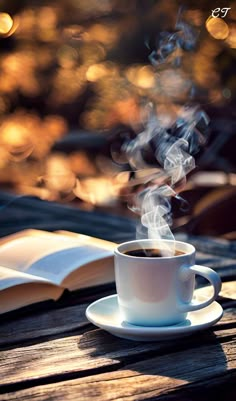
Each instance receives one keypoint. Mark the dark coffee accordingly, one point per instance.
(150, 253)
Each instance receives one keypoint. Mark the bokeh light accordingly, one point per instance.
(217, 28)
(77, 65)
(141, 76)
(6, 23)
(231, 39)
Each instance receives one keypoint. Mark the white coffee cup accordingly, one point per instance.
(158, 291)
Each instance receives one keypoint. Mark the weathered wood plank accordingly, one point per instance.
(228, 290)
(26, 330)
(92, 351)
(219, 388)
(21, 212)
(228, 319)
(148, 379)
(225, 266)
(43, 324)
(210, 245)
(56, 321)
(50, 318)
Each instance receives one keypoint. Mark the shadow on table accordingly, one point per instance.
(183, 360)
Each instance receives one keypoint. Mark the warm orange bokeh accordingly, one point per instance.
(81, 65)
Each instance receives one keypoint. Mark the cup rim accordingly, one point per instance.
(124, 246)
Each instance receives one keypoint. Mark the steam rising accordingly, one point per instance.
(172, 44)
(172, 143)
(172, 147)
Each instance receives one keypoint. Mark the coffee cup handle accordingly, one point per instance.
(208, 274)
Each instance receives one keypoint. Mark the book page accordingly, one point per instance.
(51, 257)
(86, 239)
(10, 278)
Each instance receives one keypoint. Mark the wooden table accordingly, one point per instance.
(58, 355)
(53, 353)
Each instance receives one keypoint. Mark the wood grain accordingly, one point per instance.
(29, 212)
(64, 320)
(94, 350)
(228, 290)
(147, 379)
(43, 324)
(52, 355)
(54, 361)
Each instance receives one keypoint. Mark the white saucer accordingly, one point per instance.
(105, 314)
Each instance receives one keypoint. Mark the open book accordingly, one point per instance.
(37, 266)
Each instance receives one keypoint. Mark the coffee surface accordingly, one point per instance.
(150, 253)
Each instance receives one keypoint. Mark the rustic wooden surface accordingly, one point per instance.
(51, 352)
(59, 355)
(19, 213)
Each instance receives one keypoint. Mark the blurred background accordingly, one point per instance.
(75, 74)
